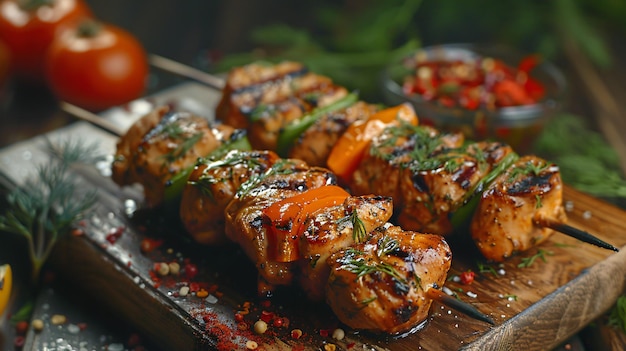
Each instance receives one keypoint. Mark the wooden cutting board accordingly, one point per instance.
(534, 308)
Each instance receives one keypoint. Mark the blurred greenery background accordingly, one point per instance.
(351, 40)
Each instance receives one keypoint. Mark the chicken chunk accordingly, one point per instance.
(160, 145)
(335, 228)
(252, 77)
(314, 145)
(212, 185)
(381, 285)
(507, 219)
(244, 215)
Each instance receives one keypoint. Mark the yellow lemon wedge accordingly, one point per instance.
(6, 279)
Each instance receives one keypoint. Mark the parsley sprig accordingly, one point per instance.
(44, 208)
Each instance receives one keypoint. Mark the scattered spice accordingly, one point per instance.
(296, 334)
(21, 327)
(58, 319)
(260, 327)
(174, 268)
(114, 235)
(339, 334)
(162, 268)
(467, 277)
(37, 325)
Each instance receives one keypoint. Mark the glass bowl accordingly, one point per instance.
(516, 125)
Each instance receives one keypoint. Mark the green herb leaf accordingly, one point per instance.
(44, 208)
(617, 316)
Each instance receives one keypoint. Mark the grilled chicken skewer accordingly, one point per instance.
(294, 237)
(323, 231)
(432, 178)
(428, 184)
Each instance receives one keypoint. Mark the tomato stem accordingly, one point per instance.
(88, 28)
(31, 5)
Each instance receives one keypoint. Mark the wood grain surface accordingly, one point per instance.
(534, 308)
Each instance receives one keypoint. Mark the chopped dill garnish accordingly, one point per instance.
(485, 268)
(206, 180)
(368, 301)
(386, 245)
(538, 204)
(529, 168)
(359, 266)
(528, 261)
(183, 148)
(282, 166)
(359, 234)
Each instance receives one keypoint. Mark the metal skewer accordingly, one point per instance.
(183, 70)
(90, 117)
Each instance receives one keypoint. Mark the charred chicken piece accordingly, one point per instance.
(380, 169)
(510, 212)
(426, 173)
(267, 120)
(334, 228)
(314, 145)
(381, 285)
(252, 77)
(212, 185)
(245, 220)
(273, 97)
(433, 189)
(162, 144)
(263, 109)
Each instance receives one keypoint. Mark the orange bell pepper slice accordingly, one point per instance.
(347, 153)
(286, 218)
(6, 279)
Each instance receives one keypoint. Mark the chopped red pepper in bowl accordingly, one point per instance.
(485, 92)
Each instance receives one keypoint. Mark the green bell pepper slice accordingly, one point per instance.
(176, 184)
(289, 133)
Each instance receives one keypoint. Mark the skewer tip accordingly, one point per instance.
(463, 307)
(577, 234)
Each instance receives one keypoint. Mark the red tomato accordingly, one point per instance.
(97, 66)
(5, 60)
(28, 27)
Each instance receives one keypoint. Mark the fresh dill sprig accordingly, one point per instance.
(359, 233)
(44, 207)
(528, 261)
(183, 148)
(485, 268)
(283, 166)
